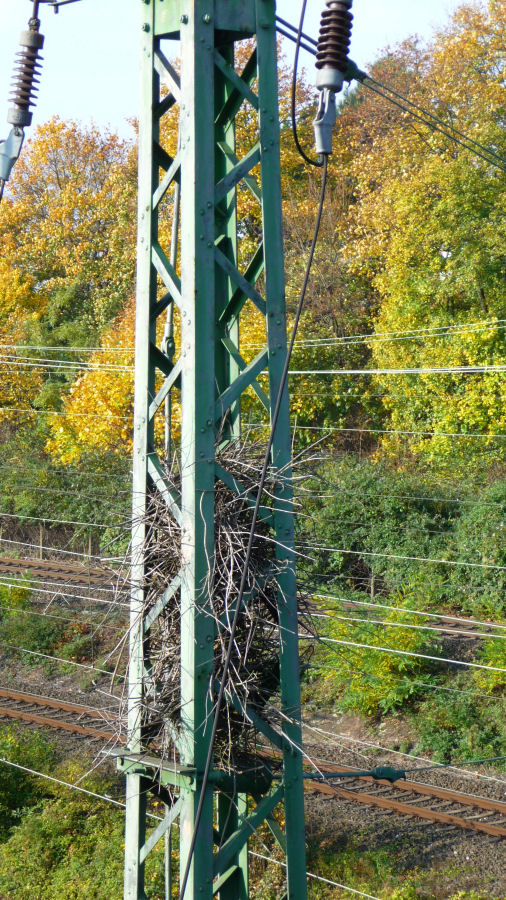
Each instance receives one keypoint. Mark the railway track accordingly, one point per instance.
(447, 625)
(77, 575)
(55, 571)
(423, 801)
(430, 803)
(51, 713)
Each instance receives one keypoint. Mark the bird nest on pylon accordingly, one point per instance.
(253, 675)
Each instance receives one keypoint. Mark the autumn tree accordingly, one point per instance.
(67, 226)
(427, 229)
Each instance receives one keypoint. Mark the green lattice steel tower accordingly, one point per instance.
(211, 376)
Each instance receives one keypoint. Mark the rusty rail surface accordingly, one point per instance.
(46, 711)
(54, 570)
(455, 798)
(82, 720)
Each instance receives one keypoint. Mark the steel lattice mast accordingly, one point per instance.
(210, 375)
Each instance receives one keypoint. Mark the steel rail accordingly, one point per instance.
(407, 809)
(486, 805)
(49, 703)
(80, 575)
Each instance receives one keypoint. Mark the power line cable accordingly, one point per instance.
(415, 370)
(67, 784)
(300, 149)
(415, 612)
(103, 559)
(75, 621)
(426, 685)
(445, 562)
(55, 584)
(433, 333)
(6, 515)
(68, 348)
(407, 625)
(395, 652)
(61, 593)
(411, 756)
(320, 878)
(416, 497)
(333, 429)
(61, 659)
(442, 129)
(56, 412)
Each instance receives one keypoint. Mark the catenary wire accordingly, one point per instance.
(395, 652)
(55, 412)
(428, 332)
(333, 429)
(343, 887)
(61, 659)
(416, 370)
(406, 625)
(444, 129)
(48, 549)
(464, 773)
(426, 685)
(386, 337)
(415, 612)
(445, 562)
(76, 621)
(54, 584)
(6, 515)
(61, 593)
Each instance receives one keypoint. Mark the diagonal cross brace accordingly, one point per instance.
(160, 830)
(236, 356)
(167, 273)
(239, 82)
(168, 74)
(244, 285)
(235, 175)
(253, 271)
(157, 475)
(244, 380)
(248, 827)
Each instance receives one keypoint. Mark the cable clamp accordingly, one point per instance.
(9, 152)
(324, 122)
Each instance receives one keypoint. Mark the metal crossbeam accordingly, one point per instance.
(209, 288)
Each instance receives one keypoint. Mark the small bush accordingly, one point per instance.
(456, 728)
(19, 789)
(35, 633)
(373, 681)
(14, 597)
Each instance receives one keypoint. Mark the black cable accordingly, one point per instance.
(244, 575)
(291, 27)
(302, 153)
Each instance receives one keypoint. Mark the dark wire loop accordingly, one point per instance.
(254, 519)
(311, 162)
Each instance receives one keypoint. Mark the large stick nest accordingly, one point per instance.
(253, 675)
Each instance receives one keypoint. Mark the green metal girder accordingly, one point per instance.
(209, 288)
